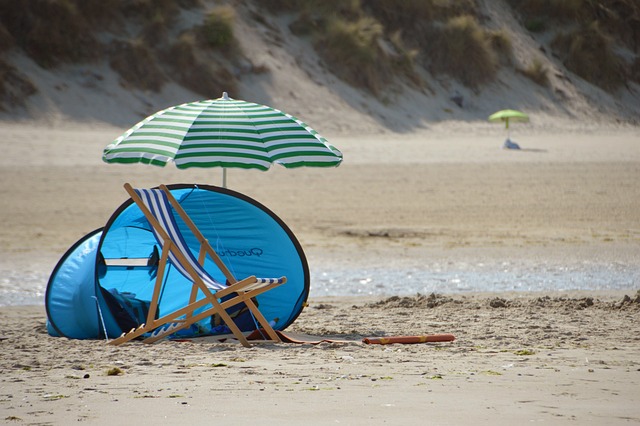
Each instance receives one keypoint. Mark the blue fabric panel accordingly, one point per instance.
(69, 301)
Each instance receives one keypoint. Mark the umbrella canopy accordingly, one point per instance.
(223, 132)
(507, 115)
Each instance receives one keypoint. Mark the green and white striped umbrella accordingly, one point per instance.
(223, 132)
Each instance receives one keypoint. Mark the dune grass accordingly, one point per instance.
(537, 72)
(635, 70)
(190, 59)
(15, 87)
(6, 39)
(589, 48)
(351, 50)
(54, 32)
(501, 45)
(136, 65)
(367, 43)
(560, 10)
(344, 8)
(352, 43)
(415, 13)
(51, 32)
(402, 14)
(187, 66)
(217, 29)
(462, 49)
(588, 52)
(620, 18)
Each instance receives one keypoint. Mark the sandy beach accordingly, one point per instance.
(446, 195)
(531, 257)
(561, 359)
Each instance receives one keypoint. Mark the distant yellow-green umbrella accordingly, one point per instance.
(507, 115)
(225, 133)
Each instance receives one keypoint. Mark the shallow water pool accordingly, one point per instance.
(28, 287)
(474, 277)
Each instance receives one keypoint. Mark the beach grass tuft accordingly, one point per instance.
(462, 49)
(115, 371)
(351, 50)
(537, 72)
(217, 29)
(50, 32)
(188, 66)
(588, 52)
(15, 87)
(501, 45)
(135, 62)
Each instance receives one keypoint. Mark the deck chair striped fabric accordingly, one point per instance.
(158, 206)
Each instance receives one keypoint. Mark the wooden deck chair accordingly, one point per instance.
(157, 206)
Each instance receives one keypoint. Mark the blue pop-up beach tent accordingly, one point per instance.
(85, 292)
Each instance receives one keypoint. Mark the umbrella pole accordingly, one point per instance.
(224, 177)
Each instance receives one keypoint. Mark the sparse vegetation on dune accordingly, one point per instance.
(352, 51)
(6, 39)
(635, 70)
(536, 72)
(462, 49)
(355, 45)
(418, 14)
(620, 18)
(501, 45)
(217, 30)
(187, 67)
(54, 32)
(588, 52)
(50, 32)
(596, 30)
(562, 10)
(15, 87)
(134, 61)
(369, 44)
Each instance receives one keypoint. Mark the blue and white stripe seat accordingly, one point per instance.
(160, 207)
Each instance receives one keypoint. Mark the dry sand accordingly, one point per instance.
(517, 359)
(449, 193)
